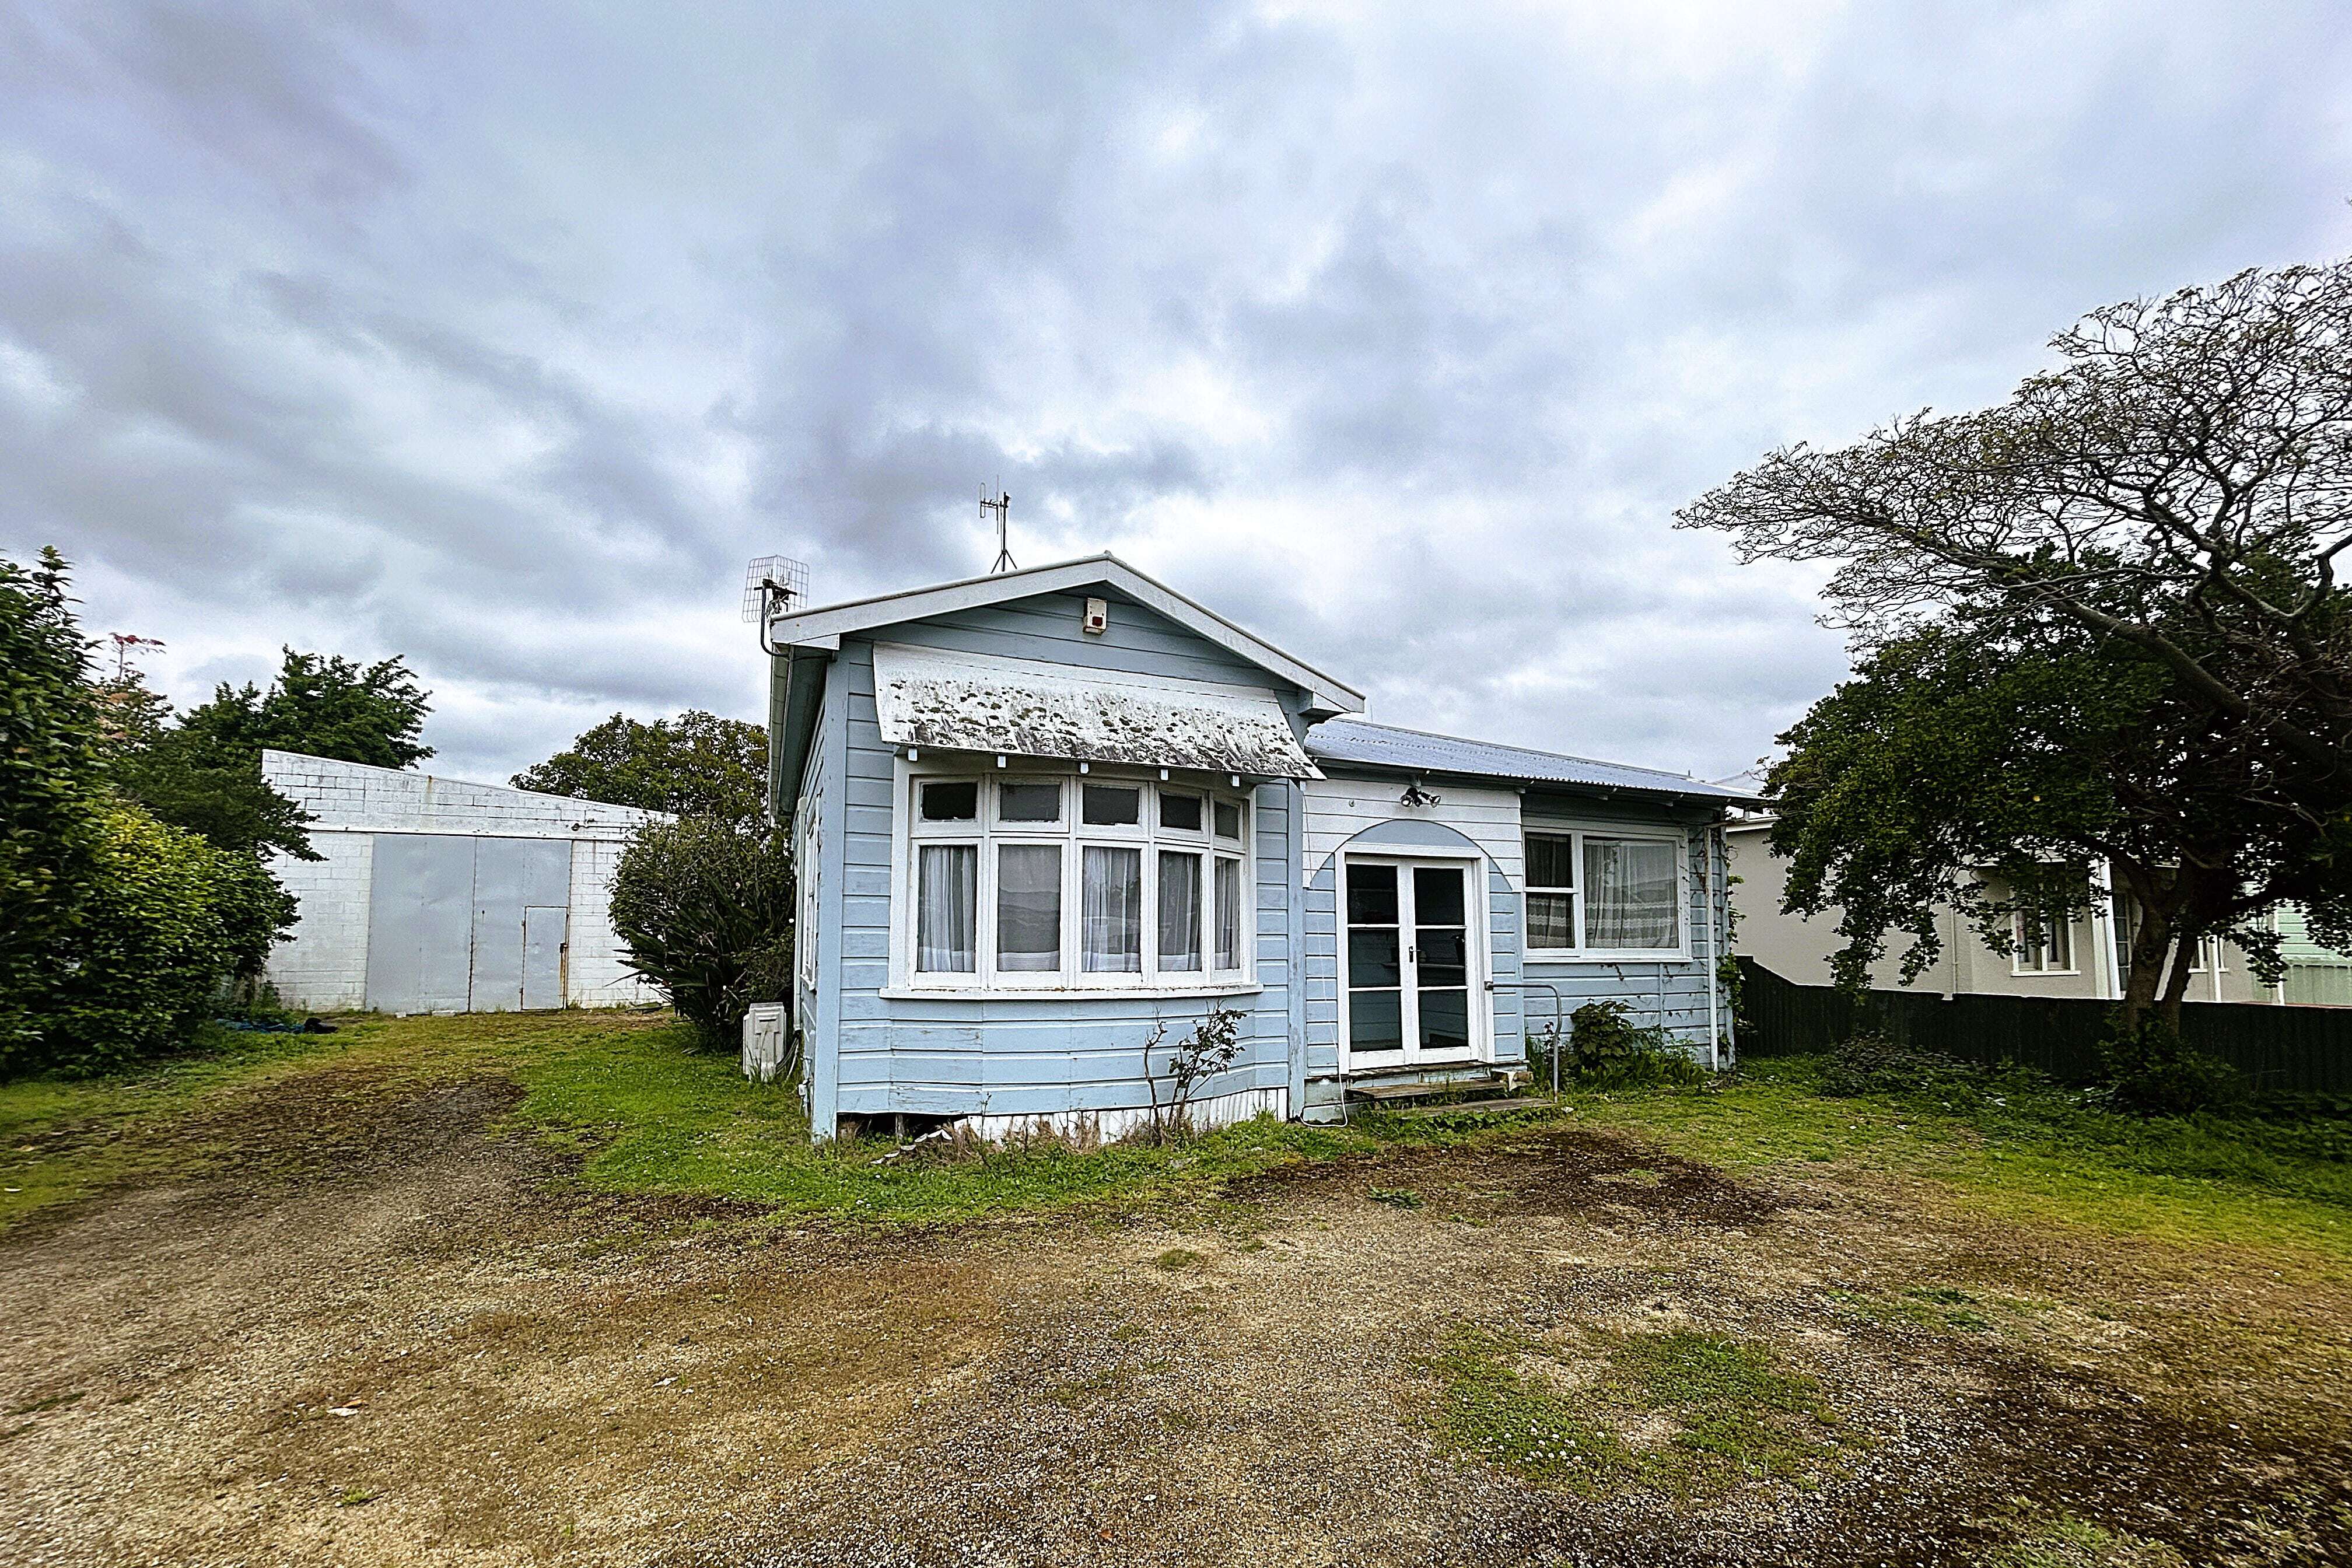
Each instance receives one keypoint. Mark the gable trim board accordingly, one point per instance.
(826, 625)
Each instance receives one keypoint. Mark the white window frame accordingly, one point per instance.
(2019, 941)
(808, 858)
(989, 833)
(1582, 952)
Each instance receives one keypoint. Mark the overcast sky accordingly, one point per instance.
(501, 336)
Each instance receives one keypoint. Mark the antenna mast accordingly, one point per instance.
(1002, 507)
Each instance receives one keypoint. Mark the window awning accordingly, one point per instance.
(977, 702)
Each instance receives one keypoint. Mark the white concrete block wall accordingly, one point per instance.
(325, 965)
(596, 976)
(324, 968)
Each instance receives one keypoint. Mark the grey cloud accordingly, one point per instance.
(502, 338)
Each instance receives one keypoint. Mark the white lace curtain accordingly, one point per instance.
(1180, 912)
(947, 908)
(1629, 894)
(1110, 911)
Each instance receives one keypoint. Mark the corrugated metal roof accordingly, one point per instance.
(980, 702)
(1368, 744)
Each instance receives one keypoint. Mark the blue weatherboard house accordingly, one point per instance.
(1040, 815)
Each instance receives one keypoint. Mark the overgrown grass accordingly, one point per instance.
(1679, 1410)
(652, 1115)
(2021, 1149)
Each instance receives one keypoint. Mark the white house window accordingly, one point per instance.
(1029, 909)
(1025, 882)
(1114, 911)
(1551, 891)
(1114, 805)
(2046, 943)
(947, 924)
(1605, 894)
(1229, 910)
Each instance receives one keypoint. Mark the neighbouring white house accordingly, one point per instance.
(436, 895)
(2085, 955)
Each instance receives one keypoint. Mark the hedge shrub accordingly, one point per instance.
(167, 924)
(704, 908)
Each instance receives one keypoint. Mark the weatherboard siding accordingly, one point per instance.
(1669, 991)
(1032, 1054)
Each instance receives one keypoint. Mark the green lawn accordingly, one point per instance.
(647, 1113)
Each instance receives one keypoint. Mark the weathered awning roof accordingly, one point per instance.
(974, 703)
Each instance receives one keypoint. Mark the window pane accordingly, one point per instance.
(1110, 911)
(1551, 860)
(946, 907)
(1629, 895)
(1113, 805)
(1029, 908)
(1374, 1022)
(1229, 820)
(2061, 942)
(1229, 914)
(1551, 920)
(1436, 896)
(1444, 1020)
(952, 800)
(1442, 957)
(1371, 895)
(1373, 958)
(1180, 812)
(1029, 802)
(1180, 910)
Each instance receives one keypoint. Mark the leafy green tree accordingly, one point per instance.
(204, 774)
(321, 705)
(697, 764)
(50, 738)
(705, 909)
(118, 933)
(2138, 552)
(1998, 767)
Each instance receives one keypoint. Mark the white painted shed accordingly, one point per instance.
(438, 895)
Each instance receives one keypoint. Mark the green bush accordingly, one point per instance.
(1874, 1064)
(49, 796)
(705, 909)
(166, 922)
(2154, 1072)
(1606, 1049)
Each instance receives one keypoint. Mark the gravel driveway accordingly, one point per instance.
(392, 1333)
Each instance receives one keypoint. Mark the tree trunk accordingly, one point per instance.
(2151, 945)
(2176, 984)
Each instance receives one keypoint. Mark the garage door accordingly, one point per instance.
(461, 924)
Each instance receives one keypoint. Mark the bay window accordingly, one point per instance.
(1605, 895)
(1029, 880)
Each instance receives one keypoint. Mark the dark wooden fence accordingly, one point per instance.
(2280, 1050)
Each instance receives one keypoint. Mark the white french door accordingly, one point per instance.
(1412, 957)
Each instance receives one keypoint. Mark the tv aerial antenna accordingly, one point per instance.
(773, 586)
(1002, 507)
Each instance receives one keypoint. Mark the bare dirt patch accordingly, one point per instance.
(380, 1330)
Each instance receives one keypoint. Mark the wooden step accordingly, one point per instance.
(1390, 1093)
(1476, 1107)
